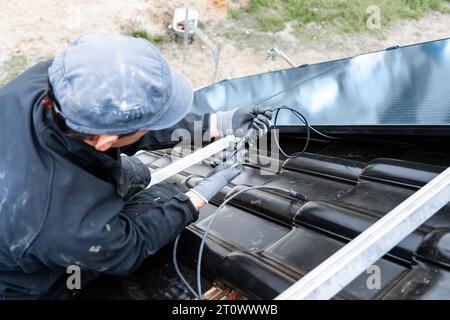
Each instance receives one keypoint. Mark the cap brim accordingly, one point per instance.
(178, 103)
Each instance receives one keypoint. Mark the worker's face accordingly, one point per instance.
(129, 139)
(104, 142)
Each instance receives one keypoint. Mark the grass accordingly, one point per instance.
(270, 23)
(236, 13)
(155, 39)
(202, 24)
(12, 68)
(245, 40)
(346, 15)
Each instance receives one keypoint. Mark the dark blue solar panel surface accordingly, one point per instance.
(404, 86)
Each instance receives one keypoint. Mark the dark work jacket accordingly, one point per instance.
(61, 200)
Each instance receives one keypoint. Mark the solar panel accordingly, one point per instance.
(404, 86)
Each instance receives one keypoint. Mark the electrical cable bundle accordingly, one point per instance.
(198, 294)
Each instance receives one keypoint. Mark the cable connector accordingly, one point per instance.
(296, 195)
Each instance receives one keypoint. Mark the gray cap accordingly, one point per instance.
(117, 85)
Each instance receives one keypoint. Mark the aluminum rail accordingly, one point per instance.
(191, 159)
(331, 276)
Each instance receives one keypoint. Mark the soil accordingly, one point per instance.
(38, 29)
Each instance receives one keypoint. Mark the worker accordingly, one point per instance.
(67, 196)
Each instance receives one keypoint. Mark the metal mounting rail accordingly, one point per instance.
(335, 273)
(188, 161)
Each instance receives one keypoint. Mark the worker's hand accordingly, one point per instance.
(239, 120)
(218, 178)
(228, 156)
(135, 175)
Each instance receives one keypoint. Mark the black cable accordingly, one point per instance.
(198, 294)
(323, 134)
(303, 119)
(178, 271)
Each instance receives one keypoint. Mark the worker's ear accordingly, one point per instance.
(105, 141)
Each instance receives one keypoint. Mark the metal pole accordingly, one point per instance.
(215, 49)
(280, 51)
(216, 62)
(188, 27)
(185, 39)
(335, 273)
(285, 57)
(277, 51)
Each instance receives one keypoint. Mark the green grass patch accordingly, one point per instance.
(156, 39)
(12, 68)
(271, 22)
(346, 15)
(236, 13)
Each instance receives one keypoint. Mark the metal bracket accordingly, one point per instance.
(276, 51)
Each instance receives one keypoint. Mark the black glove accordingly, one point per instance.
(239, 120)
(135, 176)
(218, 178)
